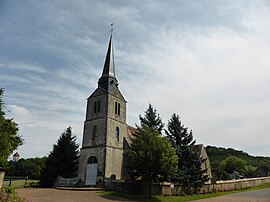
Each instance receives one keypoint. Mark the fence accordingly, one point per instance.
(66, 182)
(17, 181)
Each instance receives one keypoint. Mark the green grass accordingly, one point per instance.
(144, 198)
(20, 183)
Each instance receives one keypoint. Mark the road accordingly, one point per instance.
(262, 195)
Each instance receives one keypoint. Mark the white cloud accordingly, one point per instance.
(204, 60)
(23, 66)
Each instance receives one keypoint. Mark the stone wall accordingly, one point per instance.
(167, 189)
(134, 188)
(220, 186)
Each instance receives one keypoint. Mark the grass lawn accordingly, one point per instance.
(179, 198)
(20, 183)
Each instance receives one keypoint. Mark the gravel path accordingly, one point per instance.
(55, 195)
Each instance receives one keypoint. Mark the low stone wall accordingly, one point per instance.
(134, 188)
(220, 186)
(238, 184)
(2, 174)
(166, 189)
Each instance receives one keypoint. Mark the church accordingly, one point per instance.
(105, 130)
(106, 134)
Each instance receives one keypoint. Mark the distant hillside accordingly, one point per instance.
(218, 156)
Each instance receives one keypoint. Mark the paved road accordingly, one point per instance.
(55, 195)
(250, 196)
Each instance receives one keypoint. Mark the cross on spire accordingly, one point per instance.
(111, 29)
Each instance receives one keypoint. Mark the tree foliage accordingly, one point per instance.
(253, 166)
(151, 119)
(190, 174)
(62, 160)
(30, 167)
(151, 157)
(233, 163)
(9, 138)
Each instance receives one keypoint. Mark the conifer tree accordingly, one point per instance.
(190, 175)
(151, 119)
(62, 160)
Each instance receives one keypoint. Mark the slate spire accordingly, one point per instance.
(108, 80)
(108, 69)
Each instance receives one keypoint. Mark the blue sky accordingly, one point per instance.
(207, 61)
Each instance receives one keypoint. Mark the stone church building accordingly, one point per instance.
(105, 129)
(106, 133)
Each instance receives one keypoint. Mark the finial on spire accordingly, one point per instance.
(111, 29)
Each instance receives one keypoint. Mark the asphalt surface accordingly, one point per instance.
(262, 195)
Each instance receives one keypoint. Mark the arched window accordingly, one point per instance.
(91, 160)
(98, 106)
(95, 107)
(117, 133)
(94, 132)
(117, 108)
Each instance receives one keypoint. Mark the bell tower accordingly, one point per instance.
(105, 127)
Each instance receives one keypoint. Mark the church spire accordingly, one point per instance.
(108, 80)
(108, 69)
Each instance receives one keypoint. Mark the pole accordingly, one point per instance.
(13, 167)
(16, 157)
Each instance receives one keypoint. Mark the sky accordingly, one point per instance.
(206, 60)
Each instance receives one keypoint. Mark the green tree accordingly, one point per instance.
(62, 160)
(151, 119)
(233, 163)
(190, 175)
(151, 157)
(217, 171)
(9, 138)
(30, 167)
(218, 154)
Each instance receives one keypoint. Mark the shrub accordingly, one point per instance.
(10, 195)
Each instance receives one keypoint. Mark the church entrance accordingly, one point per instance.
(91, 171)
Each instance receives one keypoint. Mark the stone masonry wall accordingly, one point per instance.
(166, 189)
(220, 186)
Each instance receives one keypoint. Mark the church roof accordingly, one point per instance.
(197, 148)
(131, 133)
(108, 80)
(108, 69)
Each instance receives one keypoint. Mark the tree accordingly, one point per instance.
(233, 163)
(9, 138)
(190, 175)
(217, 171)
(151, 157)
(30, 167)
(62, 160)
(152, 119)
(258, 166)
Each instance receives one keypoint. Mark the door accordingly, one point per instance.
(91, 171)
(91, 174)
